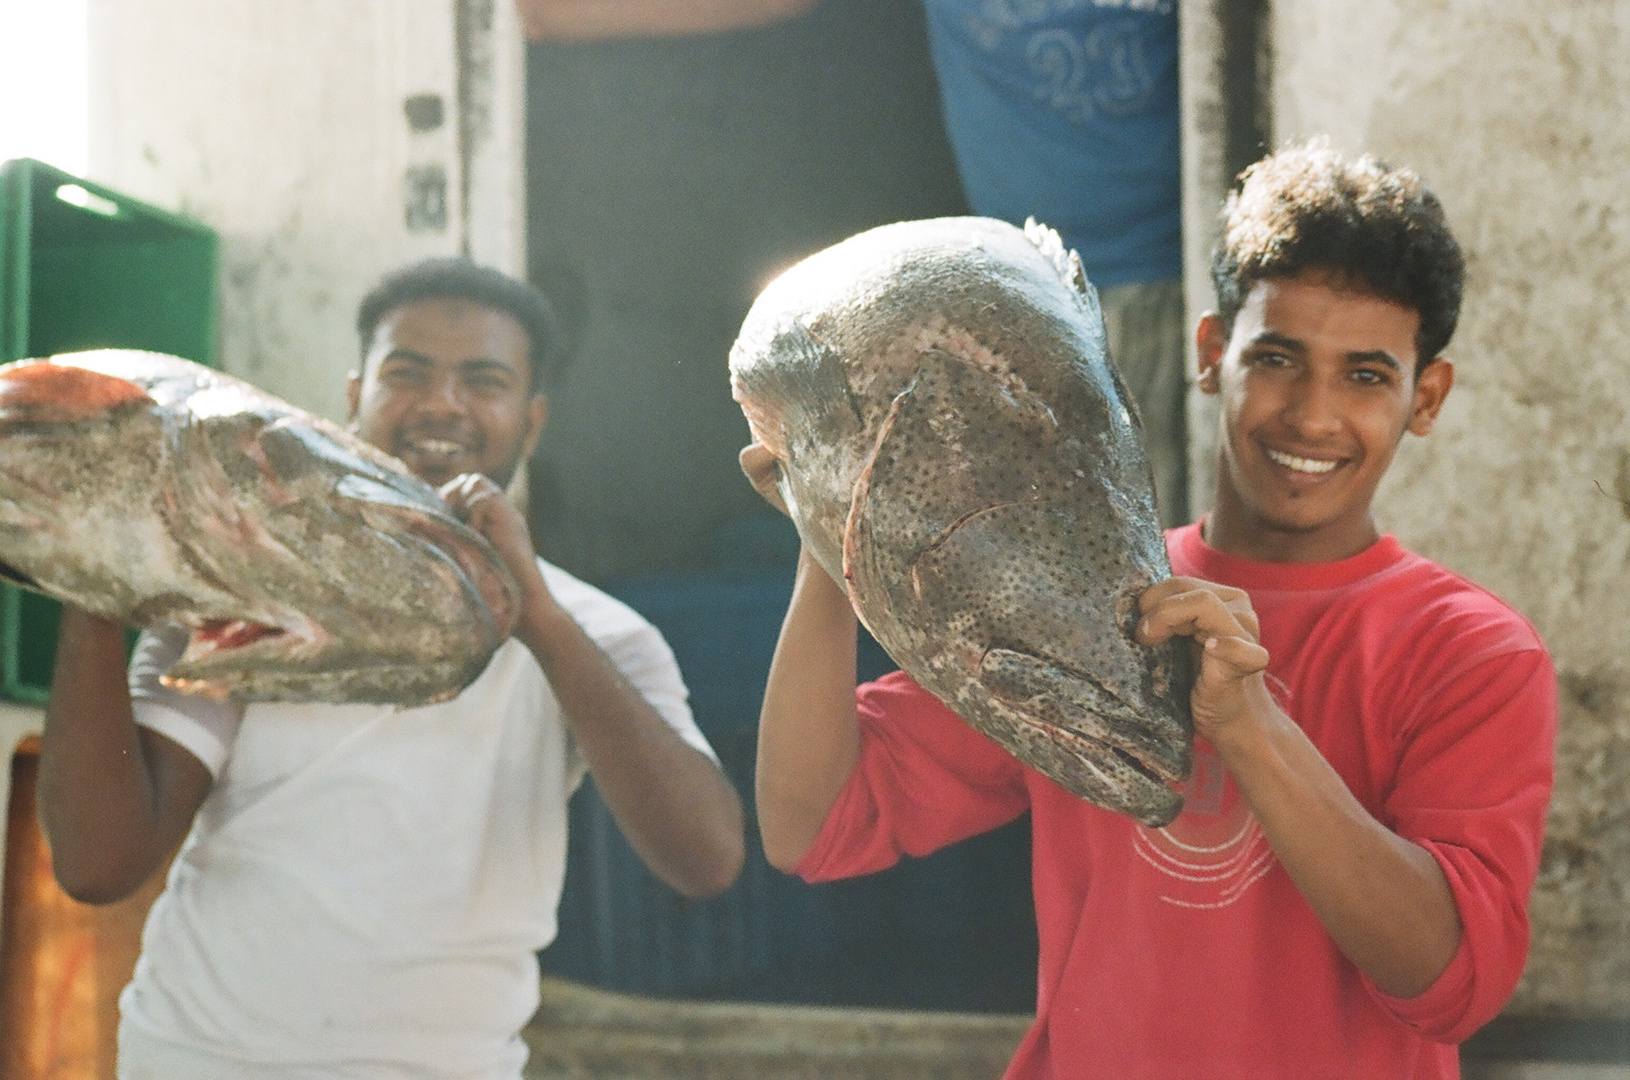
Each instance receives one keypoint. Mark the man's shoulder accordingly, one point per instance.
(1440, 601)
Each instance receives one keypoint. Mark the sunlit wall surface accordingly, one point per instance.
(43, 82)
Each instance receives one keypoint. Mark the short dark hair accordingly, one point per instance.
(1376, 228)
(457, 278)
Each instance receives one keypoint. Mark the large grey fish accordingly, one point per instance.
(309, 565)
(954, 446)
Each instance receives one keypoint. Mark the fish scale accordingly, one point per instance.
(956, 448)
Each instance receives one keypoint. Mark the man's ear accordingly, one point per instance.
(538, 414)
(1432, 386)
(1210, 342)
(353, 396)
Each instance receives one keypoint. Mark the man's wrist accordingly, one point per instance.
(1249, 742)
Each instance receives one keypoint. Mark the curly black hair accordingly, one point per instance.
(456, 278)
(1376, 228)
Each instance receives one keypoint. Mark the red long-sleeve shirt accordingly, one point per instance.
(1187, 951)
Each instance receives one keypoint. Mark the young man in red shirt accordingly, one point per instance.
(1345, 892)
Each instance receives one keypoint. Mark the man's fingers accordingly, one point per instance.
(1238, 656)
(1162, 591)
(1195, 609)
(464, 491)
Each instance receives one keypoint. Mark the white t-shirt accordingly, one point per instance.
(365, 887)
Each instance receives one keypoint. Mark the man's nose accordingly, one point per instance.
(1314, 406)
(442, 397)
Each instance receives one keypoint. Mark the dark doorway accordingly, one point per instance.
(669, 179)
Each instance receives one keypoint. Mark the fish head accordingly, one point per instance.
(377, 589)
(308, 564)
(956, 448)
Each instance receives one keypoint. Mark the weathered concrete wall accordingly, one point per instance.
(285, 127)
(1514, 113)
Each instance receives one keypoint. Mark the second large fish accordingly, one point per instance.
(308, 565)
(954, 446)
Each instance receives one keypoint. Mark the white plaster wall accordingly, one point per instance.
(281, 125)
(1514, 112)
(1205, 181)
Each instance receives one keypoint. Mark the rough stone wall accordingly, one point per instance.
(1514, 112)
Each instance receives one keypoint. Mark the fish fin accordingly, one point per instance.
(1065, 260)
(1068, 264)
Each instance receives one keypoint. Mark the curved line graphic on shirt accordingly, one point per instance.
(1211, 885)
(1215, 850)
(1233, 841)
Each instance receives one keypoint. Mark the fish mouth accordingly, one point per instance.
(209, 645)
(1091, 751)
(218, 642)
(1097, 744)
(1121, 781)
(221, 635)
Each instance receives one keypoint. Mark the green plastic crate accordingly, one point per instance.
(86, 267)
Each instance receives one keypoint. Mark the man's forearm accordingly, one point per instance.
(1383, 899)
(113, 800)
(673, 803)
(809, 738)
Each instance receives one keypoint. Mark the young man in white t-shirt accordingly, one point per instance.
(363, 889)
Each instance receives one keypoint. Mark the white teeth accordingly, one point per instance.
(1300, 464)
(437, 446)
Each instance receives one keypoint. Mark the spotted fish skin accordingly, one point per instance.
(955, 447)
(309, 565)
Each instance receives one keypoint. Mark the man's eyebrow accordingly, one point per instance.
(399, 352)
(1375, 356)
(478, 363)
(487, 363)
(1282, 341)
(1362, 356)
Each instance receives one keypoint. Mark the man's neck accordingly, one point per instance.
(1235, 534)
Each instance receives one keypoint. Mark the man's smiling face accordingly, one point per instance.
(1318, 385)
(445, 387)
